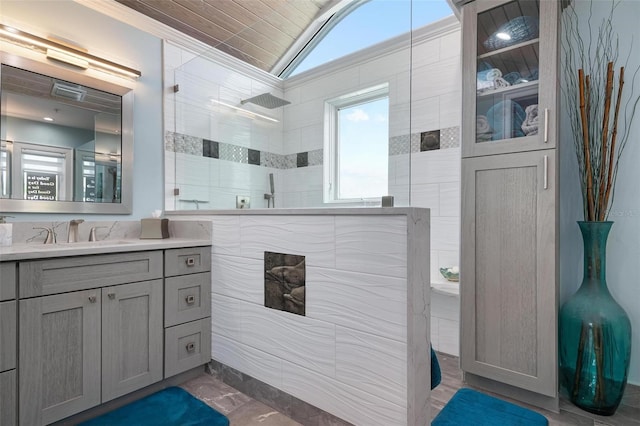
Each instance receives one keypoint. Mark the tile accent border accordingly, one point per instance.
(289, 405)
(192, 145)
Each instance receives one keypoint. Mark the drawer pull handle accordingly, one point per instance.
(111, 296)
(191, 347)
(191, 261)
(92, 299)
(191, 299)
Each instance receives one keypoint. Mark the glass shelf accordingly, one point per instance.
(507, 71)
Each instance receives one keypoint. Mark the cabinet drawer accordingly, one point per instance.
(7, 280)
(187, 261)
(187, 298)
(187, 346)
(8, 398)
(51, 276)
(7, 335)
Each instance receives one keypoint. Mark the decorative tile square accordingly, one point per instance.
(169, 141)
(450, 137)
(290, 161)
(302, 159)
(234, 153)
(415, 142)
(429, 140)
(284, 282)
(316, 157)
(253, 156)
(399, 145)
(210, 149)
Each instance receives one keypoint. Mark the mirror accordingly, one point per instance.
(65, 140)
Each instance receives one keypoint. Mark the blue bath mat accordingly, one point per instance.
(470, 407)
(169, 407)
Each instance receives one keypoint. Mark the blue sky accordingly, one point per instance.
(371, 23)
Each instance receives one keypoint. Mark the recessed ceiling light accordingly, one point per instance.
(503, 36)
(47, 119)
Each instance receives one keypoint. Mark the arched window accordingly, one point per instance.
(362, 24)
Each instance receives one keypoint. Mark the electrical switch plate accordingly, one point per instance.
(243, 202)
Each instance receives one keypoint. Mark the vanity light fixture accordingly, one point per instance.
(64, 53)
(245, 111)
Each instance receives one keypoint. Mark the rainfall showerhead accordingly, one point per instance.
(266, 100)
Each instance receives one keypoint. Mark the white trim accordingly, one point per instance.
(435, 30)
(330, 178)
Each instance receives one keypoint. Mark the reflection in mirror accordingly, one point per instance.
(50, 124)
(63, 144)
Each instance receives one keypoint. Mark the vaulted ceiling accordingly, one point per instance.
(259, 32)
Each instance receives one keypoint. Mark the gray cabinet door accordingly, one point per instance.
(59, 356)
(508, 275)
(131, 337)
(8, 398)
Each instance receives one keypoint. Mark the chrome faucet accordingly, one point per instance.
(51, 235)
(73, 230)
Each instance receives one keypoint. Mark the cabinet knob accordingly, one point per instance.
(191, 347)
(92, 299)
(191, 261)
(191, 299)
(111, 295)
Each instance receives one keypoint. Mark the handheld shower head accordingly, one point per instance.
(271, 183)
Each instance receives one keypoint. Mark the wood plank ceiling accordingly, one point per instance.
(258, 32)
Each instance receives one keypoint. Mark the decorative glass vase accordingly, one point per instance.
(594, 333)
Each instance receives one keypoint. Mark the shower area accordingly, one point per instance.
(237, 137)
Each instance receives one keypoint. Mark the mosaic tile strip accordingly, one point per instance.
(415, 142)
(290, 161)
(450, 137)
(269, 159)
(316, 157)
(399, 145)
(237, 154)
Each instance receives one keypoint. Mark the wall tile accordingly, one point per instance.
(254, 362)
(372, 244)
(450, 109)
(440, 78)
(226, 235)
(310, 236)
(449, 337)
(438, 166)
(425, 53)
(372, 364)
(238, 277)
(445, 233)
(374, 304)
(426, 195)
(450, 199)
(346, 402)
(294, 338)
(451, 45)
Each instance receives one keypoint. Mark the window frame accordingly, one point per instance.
(332, 107)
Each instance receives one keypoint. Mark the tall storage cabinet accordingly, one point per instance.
(509, 198)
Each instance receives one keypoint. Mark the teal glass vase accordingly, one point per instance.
(594, 333)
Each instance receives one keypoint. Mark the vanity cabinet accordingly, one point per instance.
(509, 236)
(8, 344)
(187, 316)
(86, 347)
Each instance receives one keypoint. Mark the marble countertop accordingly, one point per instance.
(41, 251)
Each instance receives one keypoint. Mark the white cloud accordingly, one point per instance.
(358, 115)
(381, 118)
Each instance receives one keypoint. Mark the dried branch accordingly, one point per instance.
(585, 137)
(608, 89)
(614, 135)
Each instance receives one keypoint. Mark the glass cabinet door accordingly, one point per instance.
(507, 74)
